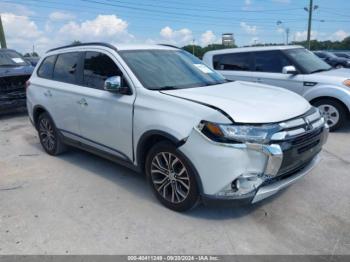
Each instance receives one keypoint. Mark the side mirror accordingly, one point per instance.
(290, 70)
(114, 84)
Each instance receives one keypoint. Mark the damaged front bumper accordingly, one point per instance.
(248, 173)
(12, 92)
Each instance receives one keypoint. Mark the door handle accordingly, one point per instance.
(48, 93)
(82, 102)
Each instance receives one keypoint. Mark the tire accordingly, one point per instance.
(49, 137)
(174, 185)
(339, 66)
(333, 111)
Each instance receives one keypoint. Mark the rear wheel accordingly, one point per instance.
(48, 135)
(333, 112)
(171, 177)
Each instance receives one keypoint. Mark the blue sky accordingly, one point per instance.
(48, 23)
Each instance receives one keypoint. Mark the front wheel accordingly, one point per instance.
(333, 112)
(171, 177)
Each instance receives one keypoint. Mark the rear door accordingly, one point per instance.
(234, 66)
(58, 90)
(267, 67)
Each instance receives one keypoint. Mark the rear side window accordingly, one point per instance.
(66, 67)
(234, 61)
(270, 61)
(46, 67)
(97, 68)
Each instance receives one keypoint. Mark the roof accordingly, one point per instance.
(116, 47)
(253, 49)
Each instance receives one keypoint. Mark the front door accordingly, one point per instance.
(105, 117)
(268, 65)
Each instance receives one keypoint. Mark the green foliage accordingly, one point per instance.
(33, 54)
(76, 42)
(315, 45)
(200, 51)
(327, 45)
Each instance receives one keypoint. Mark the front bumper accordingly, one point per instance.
(276, 166)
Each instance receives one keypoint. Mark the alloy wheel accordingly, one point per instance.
(170, 177)
(330, 113)
(47, 134)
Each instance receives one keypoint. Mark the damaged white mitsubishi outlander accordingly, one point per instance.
(160, 110)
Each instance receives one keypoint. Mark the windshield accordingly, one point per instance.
(11, 58)
(169, 69)
(307, 61)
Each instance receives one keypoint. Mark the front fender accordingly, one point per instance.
(340, 93)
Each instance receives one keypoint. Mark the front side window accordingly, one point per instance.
(234, 61)
(97, 68)
(66, 67)
(307, 61)
(270, 61)
(46, 67)
(169, 69)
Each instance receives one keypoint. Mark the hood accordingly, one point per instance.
(248, 102)
(16, 70)
(334, 76)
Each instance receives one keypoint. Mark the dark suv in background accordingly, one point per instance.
(15, 70)
(333, 60)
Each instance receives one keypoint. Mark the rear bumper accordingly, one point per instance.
(263, 191)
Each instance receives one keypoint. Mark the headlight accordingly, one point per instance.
(347, 82)
(237, 133)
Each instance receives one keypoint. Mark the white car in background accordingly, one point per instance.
(293, 68)
(161, 111)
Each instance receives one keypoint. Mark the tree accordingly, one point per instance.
(76, 42)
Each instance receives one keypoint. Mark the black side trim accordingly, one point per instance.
(143, 139)
(85, 44)
(107, 147)
(100, 153)
(204, 104)
(173, 46)
(310, 83)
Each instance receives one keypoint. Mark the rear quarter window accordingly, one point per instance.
(66, 67)
(46, 68)
(233, 61)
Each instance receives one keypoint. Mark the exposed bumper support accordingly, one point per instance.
(272, 189)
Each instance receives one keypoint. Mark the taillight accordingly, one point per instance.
(27, 84)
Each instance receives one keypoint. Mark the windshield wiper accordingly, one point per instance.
(164, 88)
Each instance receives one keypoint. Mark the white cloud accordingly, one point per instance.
(104, 28)
(61, 16)
(247, 2)
(252, 30)
(302, 36)
(17, 9)
(15, 26)
(182, 36)
(208, 37)
(339, 35)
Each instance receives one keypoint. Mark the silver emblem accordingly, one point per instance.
(308, 126)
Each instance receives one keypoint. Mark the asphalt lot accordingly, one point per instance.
(81, 204)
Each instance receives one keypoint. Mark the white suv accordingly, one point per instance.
(293, 68)
(160, 110)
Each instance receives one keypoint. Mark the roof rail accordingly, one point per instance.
(85, 44)
(170, 46)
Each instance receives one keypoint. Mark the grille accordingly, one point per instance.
(300, 139)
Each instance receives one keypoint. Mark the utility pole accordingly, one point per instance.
(287, 33)
(311, 8)
(193, 46)
(2, 35)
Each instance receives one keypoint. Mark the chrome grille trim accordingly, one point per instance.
(299, 126)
